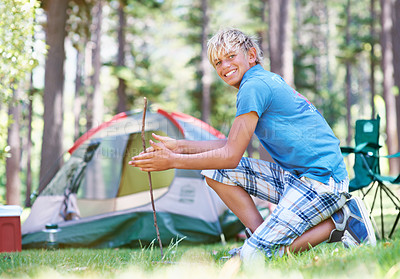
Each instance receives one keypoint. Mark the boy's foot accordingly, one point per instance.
(353, 225)
(236, 251)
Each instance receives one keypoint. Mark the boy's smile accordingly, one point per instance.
(233, 65)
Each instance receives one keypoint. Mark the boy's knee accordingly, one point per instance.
(211, 182)
(216, 185)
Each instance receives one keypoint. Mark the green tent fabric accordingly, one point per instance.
(132, 179)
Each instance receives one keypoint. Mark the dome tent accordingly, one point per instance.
(98, 200)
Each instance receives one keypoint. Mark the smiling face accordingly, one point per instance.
(232, 65)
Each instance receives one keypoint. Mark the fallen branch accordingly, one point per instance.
(150, 183)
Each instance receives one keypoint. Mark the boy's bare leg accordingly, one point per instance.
(242, 205)
(313, 236)
(240, 202)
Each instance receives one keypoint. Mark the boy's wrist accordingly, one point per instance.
(174, 160)
(179, 147)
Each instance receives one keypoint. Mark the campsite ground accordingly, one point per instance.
(204, 261)
(326, 260)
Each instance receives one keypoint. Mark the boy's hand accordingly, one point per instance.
(158, 159)
(168, 142)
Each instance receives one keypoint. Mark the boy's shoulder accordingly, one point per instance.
(257, 76)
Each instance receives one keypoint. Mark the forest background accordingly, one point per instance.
(68, 65)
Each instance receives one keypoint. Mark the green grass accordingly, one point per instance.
(204, 261)
(324, 261)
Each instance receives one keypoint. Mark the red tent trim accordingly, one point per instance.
(173, 120)
(199, 123)
(94, 130)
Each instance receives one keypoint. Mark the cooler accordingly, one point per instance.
(10, 228)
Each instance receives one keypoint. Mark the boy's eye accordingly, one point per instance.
(218, 63)
(232, 55)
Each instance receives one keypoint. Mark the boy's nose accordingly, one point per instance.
(225, 64)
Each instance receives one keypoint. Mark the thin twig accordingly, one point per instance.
(150, 183)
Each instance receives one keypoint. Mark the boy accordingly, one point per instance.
(308, 182)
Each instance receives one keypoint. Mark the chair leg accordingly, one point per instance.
(373, 201)
(396, 202)
(394, 225)
(382, 189)
(377, 232)
(382, 222)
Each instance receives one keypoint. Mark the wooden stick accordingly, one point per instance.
(150, 183)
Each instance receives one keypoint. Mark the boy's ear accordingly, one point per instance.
(252, 55)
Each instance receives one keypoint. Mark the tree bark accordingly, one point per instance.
(53, 90)
(348, 77)
(78, 88)
(121, 90)
(280, 36)
(206, 77)
(29, 148)
(372, 58)
(95, 99)
(13, 183)
(263, 41)
(396, 58)
(95, 183)
(388, 82)
(274, 37)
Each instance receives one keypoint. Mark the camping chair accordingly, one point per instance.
(367, 171)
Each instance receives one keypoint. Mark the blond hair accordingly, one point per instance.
(232, 39)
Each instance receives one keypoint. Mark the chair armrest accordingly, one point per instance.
(390, 179)
(360, 148)
(346, 150)
(393, 155)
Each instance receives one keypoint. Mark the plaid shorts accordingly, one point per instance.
(301, 203)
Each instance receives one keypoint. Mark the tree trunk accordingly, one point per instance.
(95, 99)
(53, 90)
(280, 35)
(263, 42)
(88, 90)
(396, 58)
(264, 35)
(287, 51)
(78, 88)
(329, 52)
(29, 148)
(13, 183)
(388, 82)
(121, 90)
(274, 37)
(97, 96)
(348, 77)
(372, 58)
(206, 70)
(95, 183)
(318, 45)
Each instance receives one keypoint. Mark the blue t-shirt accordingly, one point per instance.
(290, 128)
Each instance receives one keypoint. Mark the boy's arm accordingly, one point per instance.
(187, 146)
(193, 147)
(224, 157)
